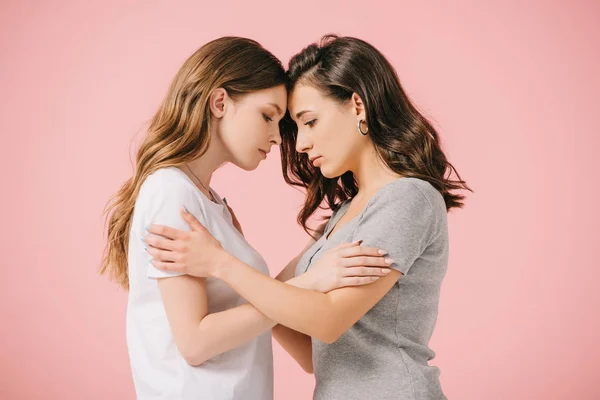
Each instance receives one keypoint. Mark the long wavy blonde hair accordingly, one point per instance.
(179, 131)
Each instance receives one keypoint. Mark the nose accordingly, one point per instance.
(302, 143)
(276, 137)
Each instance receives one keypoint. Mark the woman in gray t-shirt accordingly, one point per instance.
(384, 355)
(356, 143)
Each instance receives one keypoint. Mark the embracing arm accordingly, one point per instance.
(297, 344)
(175, 251)
(325, 316)
(199, 335)
(303, 313)
(401, 221)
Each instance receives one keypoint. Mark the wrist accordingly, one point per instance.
(303, 281)
(222, 266)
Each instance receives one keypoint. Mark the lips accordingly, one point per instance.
(263, 153)
(316, 161)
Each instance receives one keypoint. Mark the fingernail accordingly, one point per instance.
(358, 241)
(382, 252)
(224, 200)
(142, 238)
(185, 210)
(374, 278)
(146, 228)
(389, 261)
(385, 271)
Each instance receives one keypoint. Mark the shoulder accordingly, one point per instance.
(162, 195)
(410, 194)
(168, 188)
(170, 178)
(166, 183)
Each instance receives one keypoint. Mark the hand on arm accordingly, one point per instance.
(198, 335)
(174, 249)
(312, 313)
(406, 226)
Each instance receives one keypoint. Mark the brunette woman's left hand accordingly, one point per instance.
(195, 253)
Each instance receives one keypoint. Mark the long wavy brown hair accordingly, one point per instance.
(179, 131)
(404, 139)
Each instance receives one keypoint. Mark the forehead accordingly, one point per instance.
(303, 96)
(277, 95)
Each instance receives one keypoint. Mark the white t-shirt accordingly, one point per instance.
(159, 370)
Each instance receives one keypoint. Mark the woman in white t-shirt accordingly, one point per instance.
(190, 337)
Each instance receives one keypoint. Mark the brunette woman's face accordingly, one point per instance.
(249, 126)
(327, 130)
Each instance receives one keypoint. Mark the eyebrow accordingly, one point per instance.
(301, 113)
(277, 107)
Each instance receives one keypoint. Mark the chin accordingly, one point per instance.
(247, 165)
(329, 173)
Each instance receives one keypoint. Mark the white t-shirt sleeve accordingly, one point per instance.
(165, 198)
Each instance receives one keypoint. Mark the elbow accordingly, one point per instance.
(308, 368)
(328, 335)
(194, 355)
(330, 339)
(329, 329)
(194, 360)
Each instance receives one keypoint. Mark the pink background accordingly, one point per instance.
(513, 88)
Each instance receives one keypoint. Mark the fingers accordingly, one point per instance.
(365, 272)
(357, 280)
(191, 220)
(354, 251)
(366, 261)
(350, 244)
(168, 266)
(160, 242)
(166, 231)
(163, 255)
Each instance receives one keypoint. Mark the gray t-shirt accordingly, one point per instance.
(385, 354)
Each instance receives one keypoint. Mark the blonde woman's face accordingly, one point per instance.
(250, 126)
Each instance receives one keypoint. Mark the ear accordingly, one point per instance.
(218, 101)
(358, 106)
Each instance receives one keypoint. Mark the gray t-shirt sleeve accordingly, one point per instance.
(400, 220)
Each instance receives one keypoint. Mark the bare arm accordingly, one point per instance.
(342, 266)
(297, 344)
(325, 316)
(198, 335)
(201, 336)
(404, 227)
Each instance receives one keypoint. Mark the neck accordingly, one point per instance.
(371, 173)
(204, 166)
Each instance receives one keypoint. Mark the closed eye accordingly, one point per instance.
(311, 123)
(267, 118)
